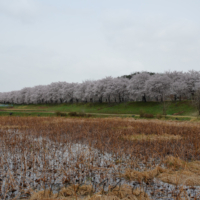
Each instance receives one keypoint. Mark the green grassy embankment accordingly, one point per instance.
(183, 108)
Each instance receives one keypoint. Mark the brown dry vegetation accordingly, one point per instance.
(46, 158)
(152, 137)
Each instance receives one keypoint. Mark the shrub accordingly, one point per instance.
(142, 113)
(80, 114)
(146, 115)
(158, 116)
(57, 113)
(61, 114)
(72, 114)
(75, 114)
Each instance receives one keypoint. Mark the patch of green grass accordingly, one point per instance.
(177, 118)
(26, 114)
(106, 108)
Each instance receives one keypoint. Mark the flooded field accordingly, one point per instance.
(66, 158)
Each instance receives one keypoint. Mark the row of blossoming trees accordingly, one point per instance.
(141, 86)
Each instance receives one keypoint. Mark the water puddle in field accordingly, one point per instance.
(52, 164)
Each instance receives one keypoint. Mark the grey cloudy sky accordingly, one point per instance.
(44, 41)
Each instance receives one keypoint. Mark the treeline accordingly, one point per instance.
(141, 86)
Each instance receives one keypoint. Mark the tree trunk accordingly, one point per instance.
(119, 98)
(156, 98)
(100, 100)
(144, 98)
(109, 98)
(175, 97)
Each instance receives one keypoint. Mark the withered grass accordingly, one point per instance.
(141, 150)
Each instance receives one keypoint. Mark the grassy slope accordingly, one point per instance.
(122, 108)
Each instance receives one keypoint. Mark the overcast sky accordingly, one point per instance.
(44, 41)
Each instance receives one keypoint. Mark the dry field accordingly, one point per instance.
(68, 158)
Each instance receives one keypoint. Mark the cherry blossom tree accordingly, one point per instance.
(141, 86)
(196, 99)
(137, 87)
(191, 78)
(159, 86)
